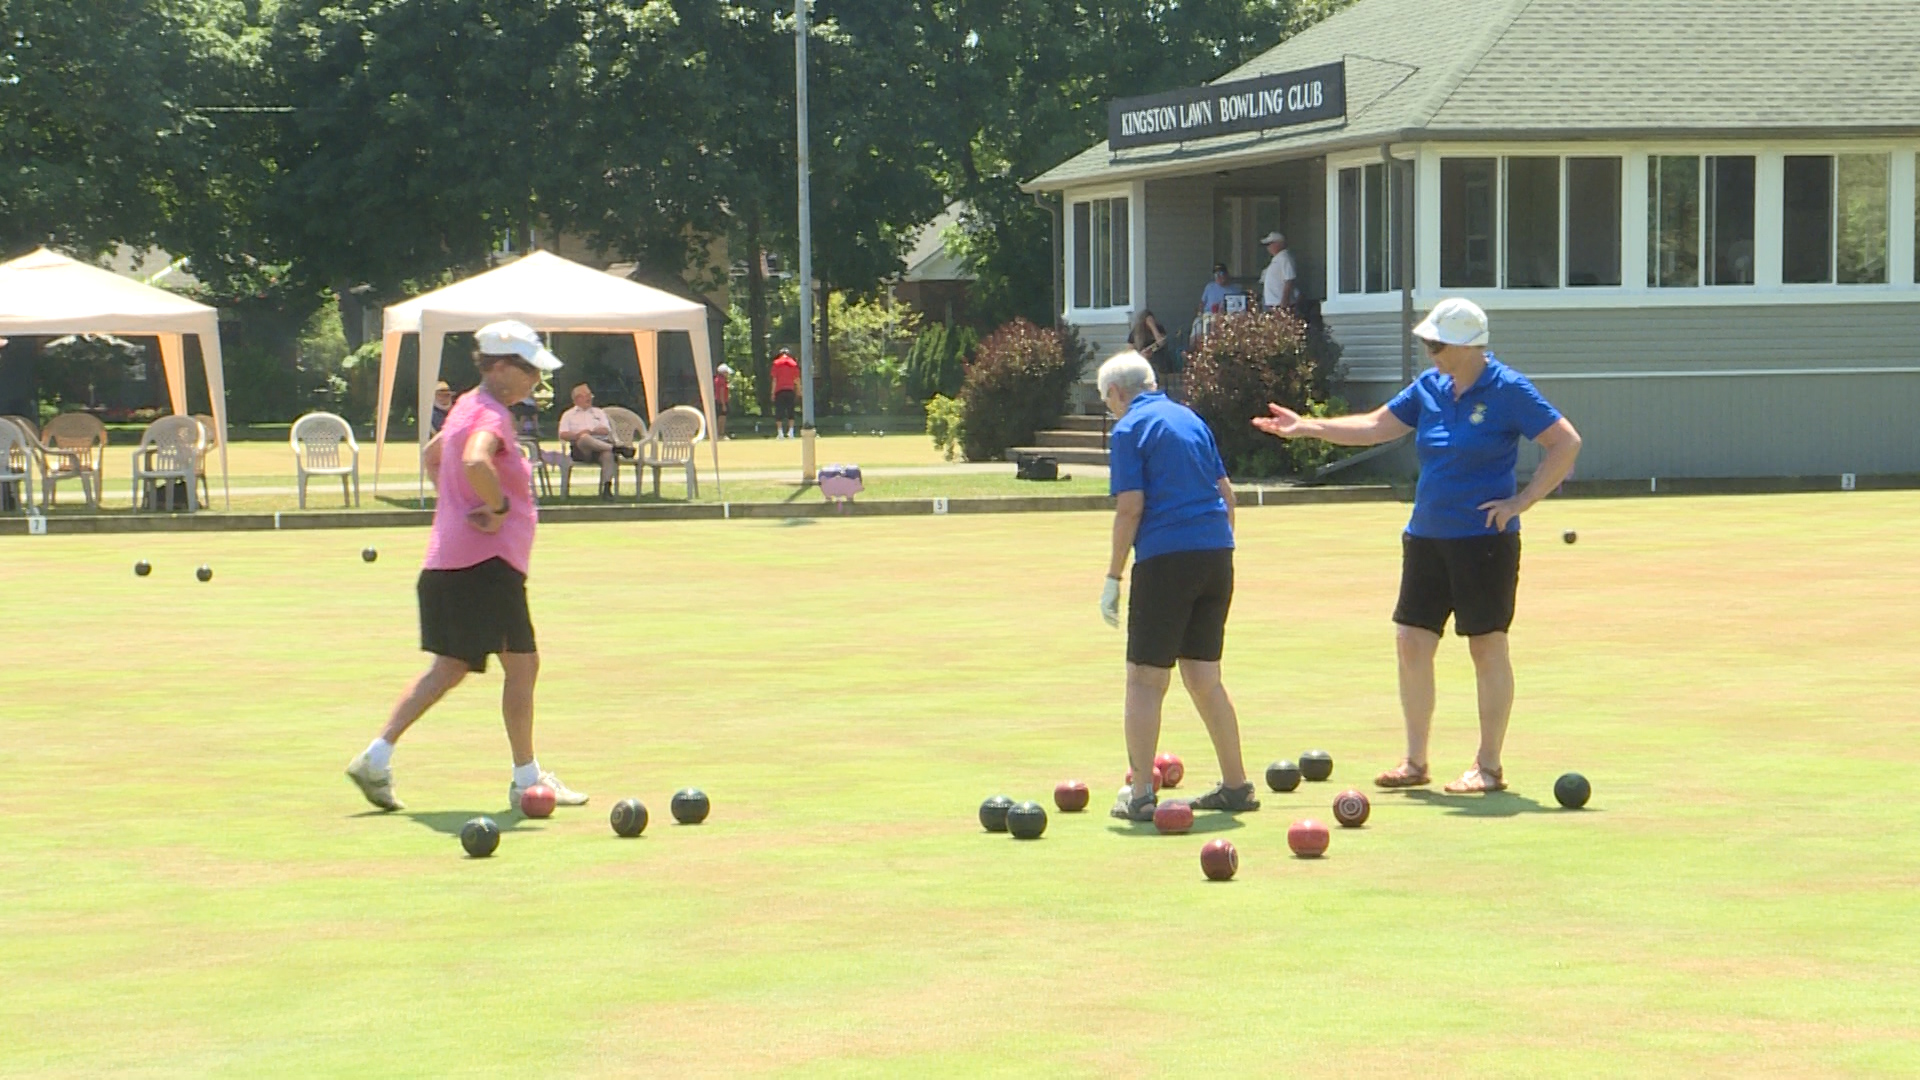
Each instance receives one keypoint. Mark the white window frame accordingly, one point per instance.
(1136, 196)
(1767, 287)
(1833, 217)
(1391, 213)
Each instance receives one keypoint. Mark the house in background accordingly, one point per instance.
(1694, 225)
(936, 283)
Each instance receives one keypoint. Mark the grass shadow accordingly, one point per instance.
(1202, 823)
(450, 821)
(1493, 804)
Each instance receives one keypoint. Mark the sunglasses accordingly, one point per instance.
(1433, 347)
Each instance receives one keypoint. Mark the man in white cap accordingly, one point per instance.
(1278, 283)
(473, 588)
(722, 398)
(1460, 555)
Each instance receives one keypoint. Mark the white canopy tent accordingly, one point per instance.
(550, 294)
(47, 293)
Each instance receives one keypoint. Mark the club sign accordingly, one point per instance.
(1306, 96)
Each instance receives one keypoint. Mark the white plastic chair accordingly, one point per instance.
(209, 446)
(670, 445)
(628, 431)
(73, 447)
(169, 450)
(316, 440)
(17, 452)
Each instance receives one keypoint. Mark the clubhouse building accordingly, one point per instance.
(1695, 225)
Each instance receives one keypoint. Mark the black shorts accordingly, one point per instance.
(783, 406)
(1178, 609)
(1474, 579)
(471, 613)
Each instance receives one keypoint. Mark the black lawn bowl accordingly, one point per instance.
(993, 813)
(142, 568)
(1569, 536)
(690, 806)
(1572, 791)
(1027, 820)
(481, 837)
(629, 818)
(1283, 776)
(1316, 765)
(368, 555)
(205, 573)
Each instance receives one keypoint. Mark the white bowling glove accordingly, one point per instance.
(1110, 602)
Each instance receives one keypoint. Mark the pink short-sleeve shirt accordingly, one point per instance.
(455, 544)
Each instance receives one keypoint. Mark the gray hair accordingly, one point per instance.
(1128, 372)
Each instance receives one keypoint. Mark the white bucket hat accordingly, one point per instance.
(511, 337)
(1454, 321)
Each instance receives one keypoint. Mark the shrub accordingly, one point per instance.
(1018, 380)
(1247, 361)
(937, 362)
(945, 424)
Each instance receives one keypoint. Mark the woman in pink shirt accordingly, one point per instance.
(473, 588)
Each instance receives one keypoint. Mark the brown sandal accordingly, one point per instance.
(1478, 780)
(1405, 774)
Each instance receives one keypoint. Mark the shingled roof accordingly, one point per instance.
(1533, 69)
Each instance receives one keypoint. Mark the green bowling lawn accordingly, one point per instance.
(188, 885)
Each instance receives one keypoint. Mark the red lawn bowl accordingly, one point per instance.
(537, 801)
(1071, 796)
(1308, 839)
(1158, 778)
(1350, 809)
(1172, 769)
(1173, 817)
(1218, 860)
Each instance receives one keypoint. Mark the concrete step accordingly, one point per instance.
(1071, 440)
(1065, 456)
(1081, 423)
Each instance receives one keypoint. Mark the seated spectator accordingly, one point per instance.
(442, 404)
(1213, 299)
(589, 435)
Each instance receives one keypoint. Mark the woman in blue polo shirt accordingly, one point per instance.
(1460, 556)
(1174, 515)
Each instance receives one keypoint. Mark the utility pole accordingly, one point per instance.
(806, 245)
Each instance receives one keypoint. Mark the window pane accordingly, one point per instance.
(1673, 221)
(1729, 221)
(1223, 207)
(1533, 223)
(1466, 222)
(1593, 221)
(1349, 230)
(1376, 231)
(1860, 220)
(1082, 262)
(1808, 221)
(1122, 266)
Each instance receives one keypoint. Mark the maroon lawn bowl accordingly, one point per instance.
(1218, 860)
(1308, 839)
(1173, 817)
(537, 801)
(1171, 769)
(1158, 778)
(1350, 809)
(1071, 796)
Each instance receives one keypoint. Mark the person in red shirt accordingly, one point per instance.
(722, 397)
(786, 390)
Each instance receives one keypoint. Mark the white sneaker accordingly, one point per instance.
(562, 794)
(375, 784)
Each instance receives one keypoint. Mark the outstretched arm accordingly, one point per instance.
(1359, 429)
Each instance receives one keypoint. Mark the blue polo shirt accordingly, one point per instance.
(1164, 449)
(1468, 448)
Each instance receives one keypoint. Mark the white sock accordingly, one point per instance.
(525, 776)
(380, 753)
